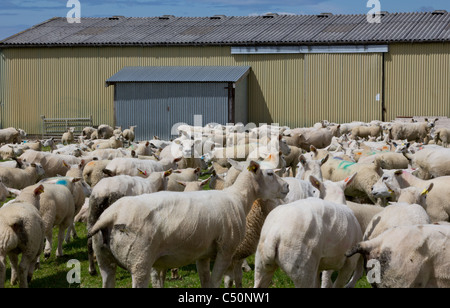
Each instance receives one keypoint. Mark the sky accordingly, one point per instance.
(19, 15)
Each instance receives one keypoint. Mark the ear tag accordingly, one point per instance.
(346, 180)
(424, 192)
(251, 168)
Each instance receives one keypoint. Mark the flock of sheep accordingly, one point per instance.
(311, 201)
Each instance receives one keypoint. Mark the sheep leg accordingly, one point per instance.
(345, 273)
(14, 260)
(204, 272)
(221, 264)
(48, 242)
(24, 267)
(92, 269)
(61, 231)
(238, 273)
(326, 279)
(2, 271)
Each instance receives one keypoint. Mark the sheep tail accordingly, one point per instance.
(10, 234)
(103, 224)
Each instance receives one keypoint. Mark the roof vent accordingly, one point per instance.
(165, 17)
(439, 12)
(326, 15)
(218, 17)
(270, 15)
(116, 17)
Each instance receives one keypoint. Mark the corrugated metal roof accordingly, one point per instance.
(236, 30)
(179, 74)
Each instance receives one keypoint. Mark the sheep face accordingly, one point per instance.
(270, 185)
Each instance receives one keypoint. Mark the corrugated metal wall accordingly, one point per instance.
(343, 87)
(418, 80)
(289, 89)
(157, 108)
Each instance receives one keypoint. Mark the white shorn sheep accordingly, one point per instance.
(109, 190)
(309, 236)
(20, 178)
(203, 224)
(21, 232)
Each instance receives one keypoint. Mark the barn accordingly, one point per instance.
(298, 69)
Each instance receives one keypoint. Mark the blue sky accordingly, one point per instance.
(18, 15)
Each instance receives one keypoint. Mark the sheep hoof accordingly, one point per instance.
(46, 255)
(93, 272)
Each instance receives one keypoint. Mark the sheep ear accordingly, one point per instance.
(178, 159)
(427, 190)
(398, 172)
(325, 159)
(302, 159)
(39, 190)
(313, 149)
(204, 182)
(168, 172)
(74, 180)
(253, 167)
(315, 182)
(182, 183)
(349, 179)
(65, 164)
(142, 172)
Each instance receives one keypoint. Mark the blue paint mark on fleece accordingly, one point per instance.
(62, 182)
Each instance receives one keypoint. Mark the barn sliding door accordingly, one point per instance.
(157, 108)
(341, 87)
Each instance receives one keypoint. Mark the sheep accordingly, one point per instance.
(117, 131)
(9, 151)
(129, 134)
(409, 210)
(438, 200)
(87, 132)
(109, 190)
(367, 131)
(217, 182)
(320, 138)
(431, 162)
(254, 222)
(104, 131)
(109, 154)
(387, 160)
(21, 232)
(114, 142)
(292, 159)
(193, 185)
(131, 166)
(367, 175)
(67, 137)
(198, 229)
(21, 178)
(57, 209)
(309, 236)
(183, 175)
(412, 131)
(53, 164)
(93, 171)
(442, 135)
(409, 256)
(11, 135)
(364, 213)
